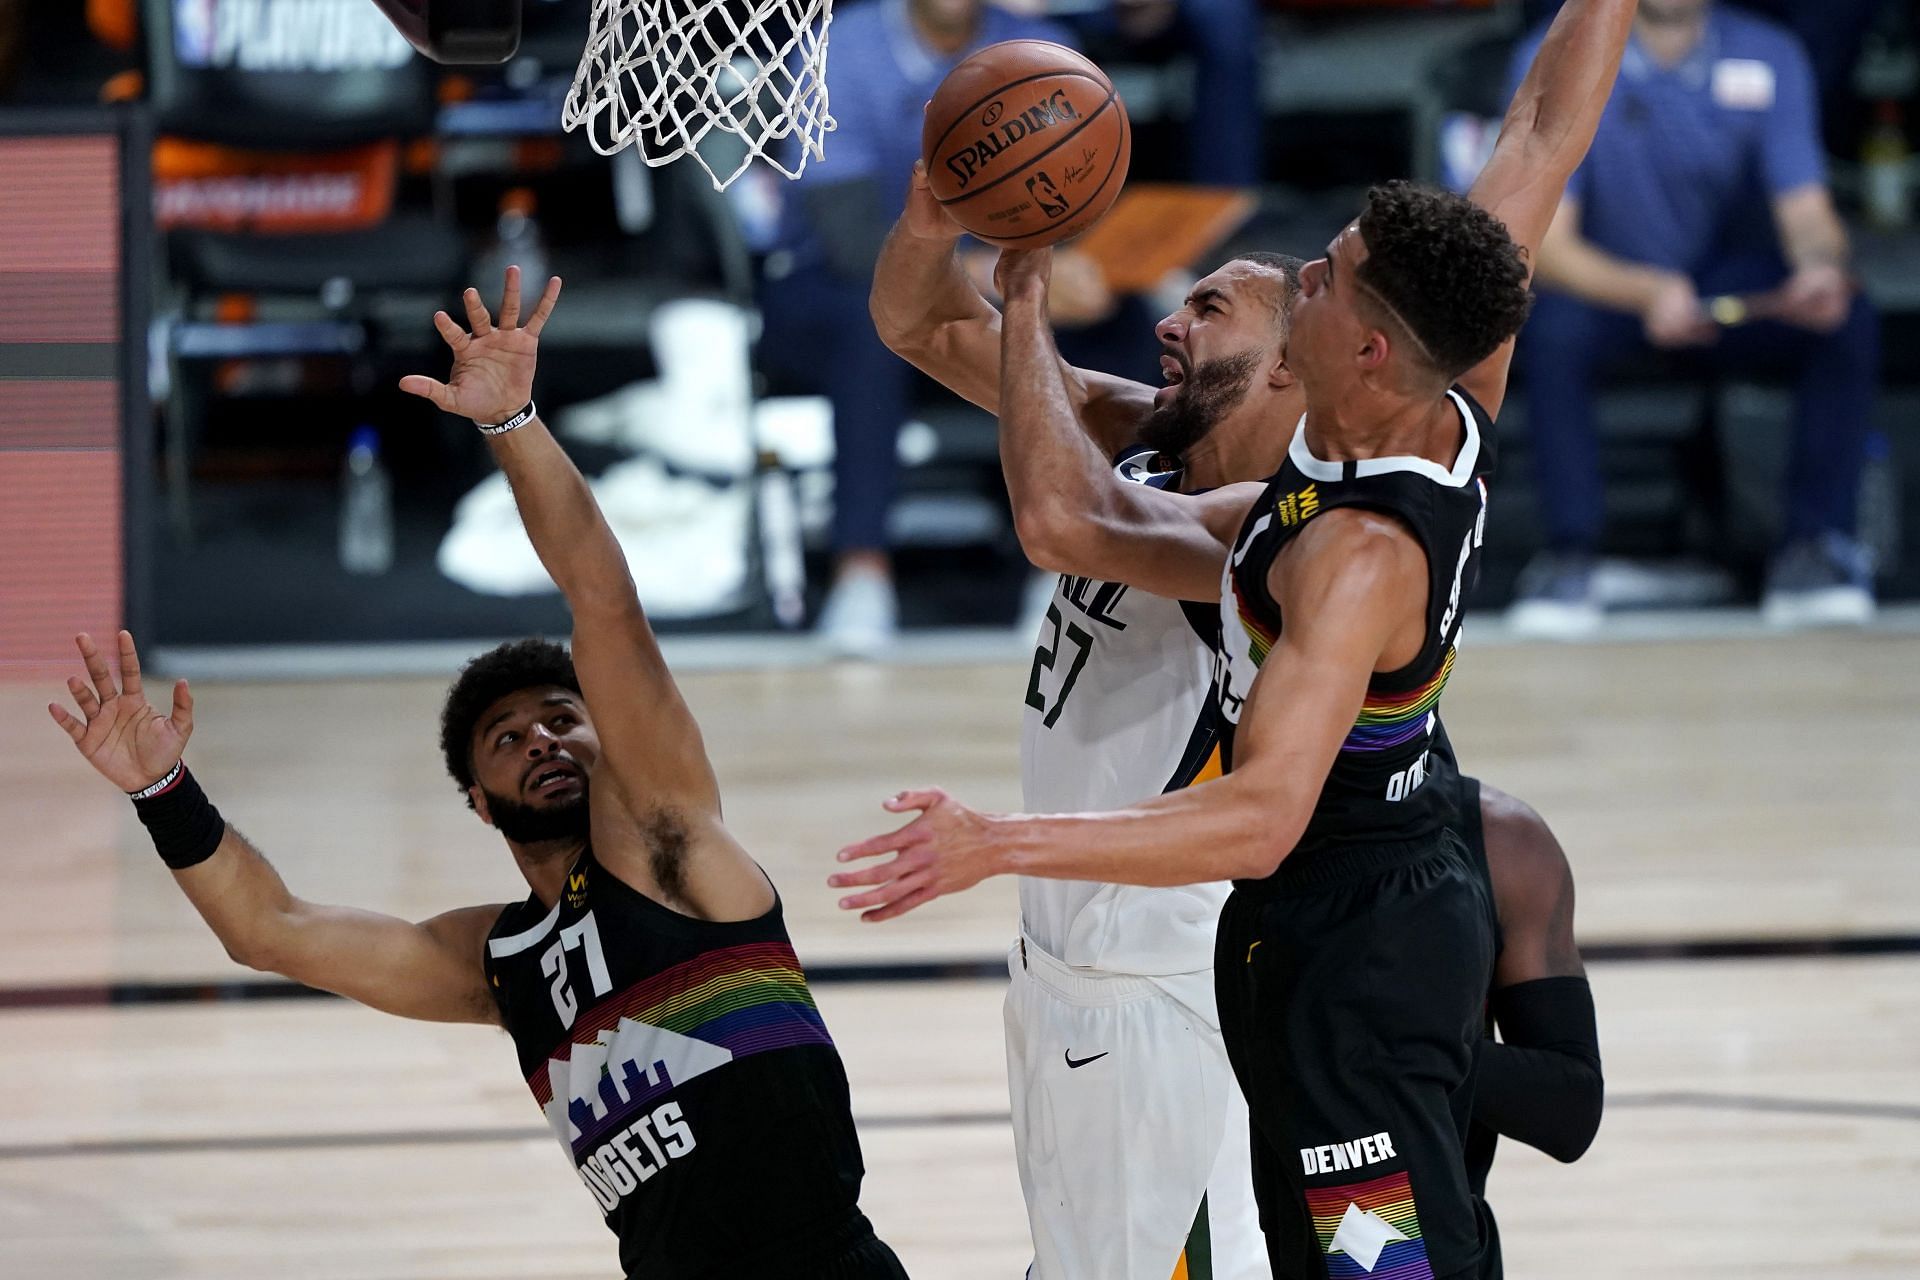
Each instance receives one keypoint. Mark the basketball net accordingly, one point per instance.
(664, 75)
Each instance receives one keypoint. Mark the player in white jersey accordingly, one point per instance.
(1129, 1129)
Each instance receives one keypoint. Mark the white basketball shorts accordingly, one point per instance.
(1129, 1130)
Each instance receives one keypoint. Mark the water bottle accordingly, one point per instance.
(782, 561)
(366, 507)
(1880, 505)
(1885, 159)
(517, 243)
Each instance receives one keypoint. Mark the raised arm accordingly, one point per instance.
(1541, 1084)
(1548, 128)
(675, 846)
(431, 970)
(1073, 514)
(927, 310)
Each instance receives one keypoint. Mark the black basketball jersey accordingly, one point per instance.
(683, 1067)
(1376, 789)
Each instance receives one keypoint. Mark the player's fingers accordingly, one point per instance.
(872, 898)
(924, 798)
(97, 669)
(477, 319)
(83, 697)
(450, 330)
(544, 308)
(433, 389)
(897, 840)
(62, 717)
(896, 888)
(900, 906)
(182, 709)
(129, 665)
(510, 300)
(878, 873)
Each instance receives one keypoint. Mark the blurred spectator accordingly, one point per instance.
(1706, 182)
(888, 58)
(1223, 39)
(1833, 32)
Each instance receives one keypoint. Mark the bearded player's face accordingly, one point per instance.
(1213, 351)
(533, 756)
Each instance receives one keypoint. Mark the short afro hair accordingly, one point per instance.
(1448, 269)
(508, 668)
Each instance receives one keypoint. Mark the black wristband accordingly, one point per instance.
(514, 423)
(183, 823)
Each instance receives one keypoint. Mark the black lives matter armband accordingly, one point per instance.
(183, 823)
(514, 423)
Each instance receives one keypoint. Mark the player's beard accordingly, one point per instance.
(1212, 390)
(538, 824)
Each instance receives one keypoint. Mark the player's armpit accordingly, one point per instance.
(1171, 544)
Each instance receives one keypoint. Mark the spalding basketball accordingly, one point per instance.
(1026, 143)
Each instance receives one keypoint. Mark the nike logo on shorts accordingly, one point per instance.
(1081, 1062)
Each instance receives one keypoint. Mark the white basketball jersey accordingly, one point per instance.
(1116, 713)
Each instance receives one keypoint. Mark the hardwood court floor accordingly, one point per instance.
(1764, 1121)
(1764, 1117)
(1734, 788)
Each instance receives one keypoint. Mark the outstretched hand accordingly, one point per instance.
(123, 736)
(948, 848)
(492, 376)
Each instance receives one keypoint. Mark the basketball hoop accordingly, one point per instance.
(665, 76)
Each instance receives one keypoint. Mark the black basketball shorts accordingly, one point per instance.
(1352, 985)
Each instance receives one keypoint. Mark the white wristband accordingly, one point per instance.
(514, 423)
(154, 789)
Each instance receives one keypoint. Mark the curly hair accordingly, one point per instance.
(505, 669)
(1448, 269)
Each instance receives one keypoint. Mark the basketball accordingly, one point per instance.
(1026, 143)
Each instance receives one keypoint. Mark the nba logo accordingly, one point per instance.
(1046, 195)
(193, 22)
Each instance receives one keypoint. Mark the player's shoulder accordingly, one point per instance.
(1347, 560)
(1524, 857)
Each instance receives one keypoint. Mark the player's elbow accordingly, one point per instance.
(1260, 859)
(251, 950)
(900, 334)
(1581, 1109)
(1054, 537)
